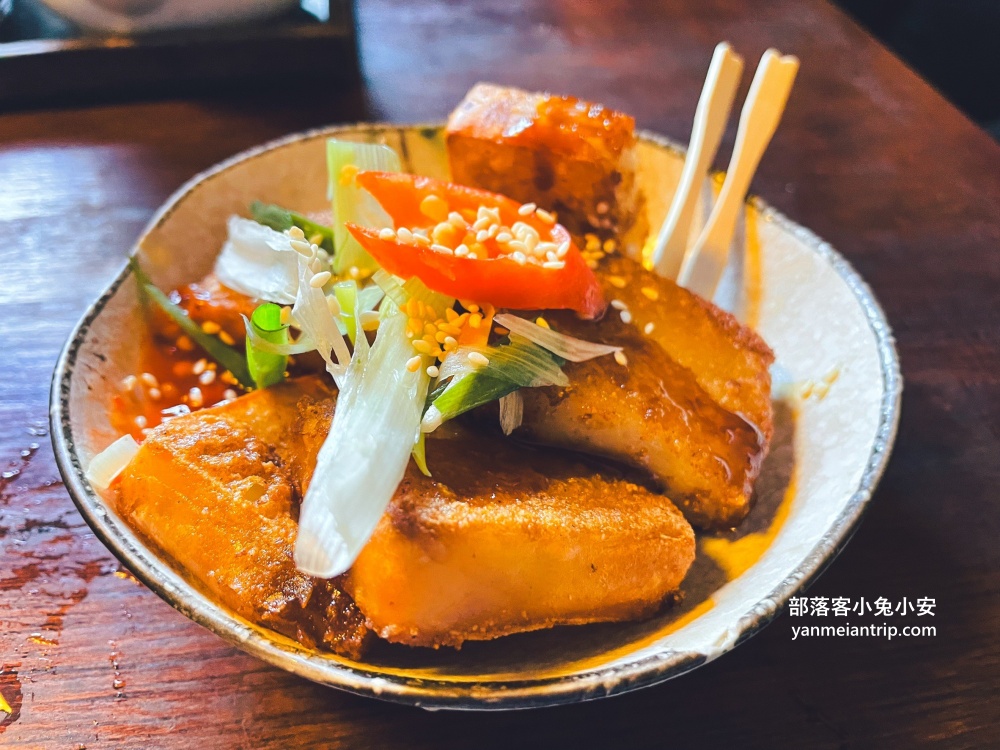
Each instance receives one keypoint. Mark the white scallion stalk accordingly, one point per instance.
(567, 347)
(351, 203)
(319, 324)
(511, 412)
(375, 426)
(258, 262)
(109, 463)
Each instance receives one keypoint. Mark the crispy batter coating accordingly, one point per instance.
(218, 491)
(504, 539)
(728, 359)
(652, 414)
(573, 157)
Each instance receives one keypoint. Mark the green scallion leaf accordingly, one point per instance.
(225, 355)
(267, 368)
(281, 219)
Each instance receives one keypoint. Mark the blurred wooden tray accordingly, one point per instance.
(47, 61)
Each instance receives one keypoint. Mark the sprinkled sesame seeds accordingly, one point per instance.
(626, 316)
(141, 422)
(229, 394)
(320, 279)
(226, 339)
(149, 379)
(433, 371)
(207, 377)
(199, 366)
(369, 320)
(620, 358)
(434, 207)
(545, 216)
(154, 394)
(302, 247)
(618, 282)
(413, 363)
(387, 234)
(602, 207)
(211, 327)
(527, 209)
(651, 293)
(618, 304)
(296, 233)
(195, 397)
(184, 344)
(648, 328)
(129, 383)
(478, 359)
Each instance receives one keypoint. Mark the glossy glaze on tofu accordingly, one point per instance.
(569, 156)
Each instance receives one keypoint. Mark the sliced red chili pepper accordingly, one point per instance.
(497, 279)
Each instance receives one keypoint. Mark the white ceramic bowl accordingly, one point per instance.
(836, 369)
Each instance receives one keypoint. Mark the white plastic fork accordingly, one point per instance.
(706, 259)
(710, 120)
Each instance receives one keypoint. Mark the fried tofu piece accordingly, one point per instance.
(569, 156)
(729, 360)
(651, 414)
(504, 539)
(218, 491)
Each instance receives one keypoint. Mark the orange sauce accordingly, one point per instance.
(752, 270)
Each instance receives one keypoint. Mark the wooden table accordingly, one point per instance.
(868, 156)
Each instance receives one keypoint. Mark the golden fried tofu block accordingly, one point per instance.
(504, 539)
(651, 414)
(218, 491)
(728, 359)
(569, 156)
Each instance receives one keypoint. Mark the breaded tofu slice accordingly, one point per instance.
(503, 539)
(728, 359)
(652, 414)
(218, 492)
(569, 156)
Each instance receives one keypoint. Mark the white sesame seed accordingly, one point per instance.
(516, 246)
(199, 366)
(301, 247)
(413, 363)
(296, 233)
(602, 207)
(545, 216)
(531, 242)
(320, 279)
(370, 320)
(354, 272)
(482, 235)
(442, 249)
(527, 209)
(481, 224)
(648, 328)
(387, 234)
(154, 394)
(149, 379)
(421, 240)
(620, 358)
(457, 220)
(626, 316)
(195, 397)
(563, 249)
(618, 304)
(229, 394)
(433, 371)
(504, 237)
(519, 257)
(129, 382)
(478, 359)
(450, 341)
(554, 264)
(462, 250)
(140, 421)
(207, 377)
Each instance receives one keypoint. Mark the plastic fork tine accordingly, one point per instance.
(706, 259)
(710, 120)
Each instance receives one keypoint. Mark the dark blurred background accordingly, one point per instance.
(954, 44)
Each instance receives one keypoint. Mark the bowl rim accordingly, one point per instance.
(592, 684)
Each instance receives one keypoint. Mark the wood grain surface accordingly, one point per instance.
(868, 156)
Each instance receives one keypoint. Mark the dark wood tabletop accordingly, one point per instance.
(868, 156)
